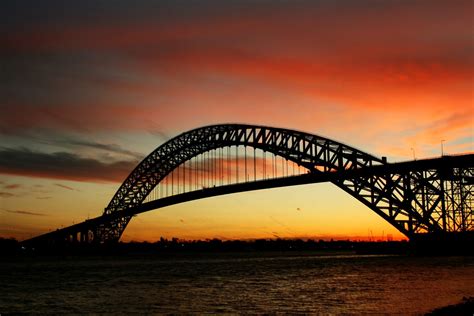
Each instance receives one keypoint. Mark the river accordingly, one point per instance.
(234, 283)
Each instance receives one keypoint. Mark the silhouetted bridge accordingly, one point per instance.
(416, 197)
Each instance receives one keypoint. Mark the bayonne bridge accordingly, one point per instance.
(419, 198)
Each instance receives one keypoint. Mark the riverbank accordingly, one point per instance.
(178, 246)
(465, 307)
(422, 246)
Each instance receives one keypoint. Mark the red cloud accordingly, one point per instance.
(363, 73)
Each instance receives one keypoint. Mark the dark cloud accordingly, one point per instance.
(24, 212)
(62, 165)
(55, 13)
(6, 194)
(51, 137)
(58, 13)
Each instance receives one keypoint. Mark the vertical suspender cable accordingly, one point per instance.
(264, 165)
(177, 175)
(245, 157)
(254, 165)
(237, 163)
(273, 165)
(228, 165)
(214, 167)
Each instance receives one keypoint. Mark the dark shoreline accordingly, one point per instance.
(176, 246)
(419, 247)
(465, 307)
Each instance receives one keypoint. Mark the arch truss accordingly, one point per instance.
(415, 197)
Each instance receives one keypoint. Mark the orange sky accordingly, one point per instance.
(90, 89)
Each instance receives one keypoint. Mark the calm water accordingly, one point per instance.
(235, 283)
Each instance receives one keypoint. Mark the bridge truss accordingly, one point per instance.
(425, 196)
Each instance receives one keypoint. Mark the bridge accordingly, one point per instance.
(431, 196)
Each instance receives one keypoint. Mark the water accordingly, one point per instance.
(224, 283)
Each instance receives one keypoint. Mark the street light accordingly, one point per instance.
(413, 150)
(442, 151)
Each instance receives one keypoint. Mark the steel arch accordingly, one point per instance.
(385, 194)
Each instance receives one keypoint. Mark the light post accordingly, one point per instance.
(442, 149)
(413, 150)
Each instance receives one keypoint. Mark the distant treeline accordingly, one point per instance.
(175, 245)
(210, 245)
(427, 244)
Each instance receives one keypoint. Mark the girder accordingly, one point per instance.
(415, 197)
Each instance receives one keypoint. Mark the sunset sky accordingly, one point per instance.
(89, 88)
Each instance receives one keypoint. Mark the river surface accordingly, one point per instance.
(234, 283)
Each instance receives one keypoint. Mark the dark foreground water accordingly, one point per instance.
(225, 283)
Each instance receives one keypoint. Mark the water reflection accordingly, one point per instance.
(231, 283)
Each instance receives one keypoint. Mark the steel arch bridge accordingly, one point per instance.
(425, 196)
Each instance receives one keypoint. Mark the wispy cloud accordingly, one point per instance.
(24, 212)
(6, 194)
(289, 230)
(49, 136)
(161, 134)
(12, 186)
(65, 187)
(114, 148)
(61, 165)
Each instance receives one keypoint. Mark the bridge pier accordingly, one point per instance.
(443, 243)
